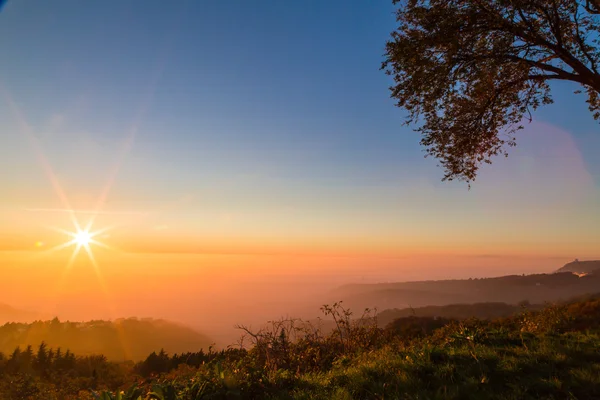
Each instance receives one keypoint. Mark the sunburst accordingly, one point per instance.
(81, 238)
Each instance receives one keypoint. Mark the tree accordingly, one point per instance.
(42, 359)
(57, 363)
(470, 71)
(26, 359)
(154, 364)
(13, 363)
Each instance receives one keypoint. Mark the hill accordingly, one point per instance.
(12, 314)
(123, 339)
(581, 267)
(512, 289)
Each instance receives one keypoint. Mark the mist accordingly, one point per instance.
(213, 293)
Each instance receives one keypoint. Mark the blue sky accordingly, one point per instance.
(274, 111)
(295, 86)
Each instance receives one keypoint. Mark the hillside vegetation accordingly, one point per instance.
(457, 311)
(547, 354)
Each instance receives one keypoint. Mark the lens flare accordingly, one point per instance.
(82, 238)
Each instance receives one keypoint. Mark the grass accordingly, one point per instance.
(547, 366)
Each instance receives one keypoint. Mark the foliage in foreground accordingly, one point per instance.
(551, 354)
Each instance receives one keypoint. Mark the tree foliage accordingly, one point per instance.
(470, 71)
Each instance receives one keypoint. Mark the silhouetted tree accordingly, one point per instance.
(50, 358)
(26, 359)
(469, 71)
(67, 361)
(58, 359)
(12, 364)
(42, 361)
(155, 364)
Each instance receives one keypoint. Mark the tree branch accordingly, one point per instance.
(544, 77)
(559, 72)
(530, 35)
(553, 21)
(592, 6)
(581, 43)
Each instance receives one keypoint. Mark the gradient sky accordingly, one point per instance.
(263, 127)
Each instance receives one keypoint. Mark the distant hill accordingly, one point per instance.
(455, 311)
(123, 339)
(512, 289)
(581, 267)
(12, 314)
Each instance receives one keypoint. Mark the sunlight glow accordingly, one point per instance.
(83, 238)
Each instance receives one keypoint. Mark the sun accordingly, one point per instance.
(83, 238)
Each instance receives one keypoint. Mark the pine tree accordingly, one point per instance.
(41, 362)
(27, 358)
(58, 360)
(13, 364)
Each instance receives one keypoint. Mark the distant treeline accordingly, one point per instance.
(124, 339)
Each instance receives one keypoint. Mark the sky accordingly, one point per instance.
(263, 134)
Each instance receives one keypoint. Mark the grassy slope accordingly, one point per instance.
(552, 354)
(561, 367)
(557, 366)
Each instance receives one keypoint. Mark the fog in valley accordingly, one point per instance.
(214, 293)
